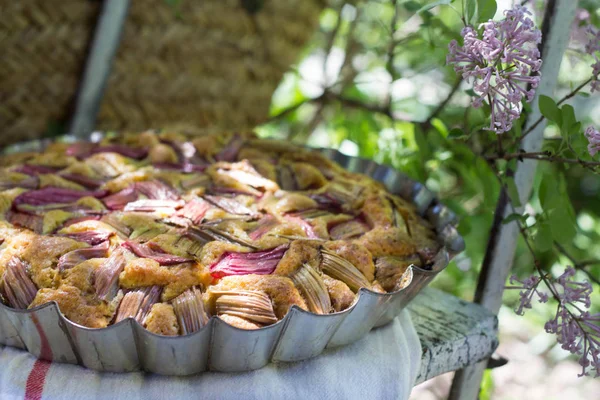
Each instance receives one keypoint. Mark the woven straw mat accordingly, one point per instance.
(211, 64)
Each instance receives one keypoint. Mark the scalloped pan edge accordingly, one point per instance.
(218, 346)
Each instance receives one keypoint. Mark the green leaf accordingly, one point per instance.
(513, 192)
(470, 11)
(549, 109)
(423, 144)
(456, 133)
(487, 386)
(464, 227)
(486, 9)
(579, 143)
(583, 94)
(568, 118)
(543, 237)
(548, 193)
(562, 225)
(575, 129)
(429, 6)
(412, 6)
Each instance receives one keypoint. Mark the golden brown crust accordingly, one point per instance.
(280, 289)
(239, 322)
(162, 320)
(41, 253)
(81, 276)
(144, 272)
(300, 252)
(390, 271)
(340, 294)
(81, 309)
(241, 179)
(357, 254)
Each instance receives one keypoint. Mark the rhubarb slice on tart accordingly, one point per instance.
(171, 230)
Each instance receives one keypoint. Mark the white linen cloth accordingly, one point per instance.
(382, 365)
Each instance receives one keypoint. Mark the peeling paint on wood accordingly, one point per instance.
(453, 333)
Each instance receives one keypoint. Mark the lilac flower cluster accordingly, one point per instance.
(530, 288)
(593, 136)
(593, 48)
(500, 63)
(576, 330)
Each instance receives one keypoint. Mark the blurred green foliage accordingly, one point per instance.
(371, 83)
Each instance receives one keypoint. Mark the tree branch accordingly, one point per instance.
(541, 156)
(579, 265)
(567, 97)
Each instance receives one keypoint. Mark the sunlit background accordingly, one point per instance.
(345, 93)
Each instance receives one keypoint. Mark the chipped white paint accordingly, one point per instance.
(453, 333)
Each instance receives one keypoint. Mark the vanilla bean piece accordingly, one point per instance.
(397, 217)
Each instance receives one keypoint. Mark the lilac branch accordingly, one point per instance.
(567, 97)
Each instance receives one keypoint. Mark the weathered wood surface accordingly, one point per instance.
(453, 333)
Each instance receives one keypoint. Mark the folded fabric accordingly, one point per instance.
(382, 365)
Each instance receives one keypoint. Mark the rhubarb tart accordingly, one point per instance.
(172, 230)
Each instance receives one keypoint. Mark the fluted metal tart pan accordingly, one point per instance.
(126, 346)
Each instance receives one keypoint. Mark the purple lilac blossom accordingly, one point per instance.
(530, 287)
(501, 62)
(576, 330)
(593, 136)
(593, 48)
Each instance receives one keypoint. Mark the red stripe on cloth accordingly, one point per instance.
(36, 380)
(37, 377)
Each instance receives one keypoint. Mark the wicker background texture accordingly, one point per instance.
(211, 64)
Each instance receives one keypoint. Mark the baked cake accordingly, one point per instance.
(171, 230)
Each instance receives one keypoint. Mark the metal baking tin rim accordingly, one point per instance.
(395, 182)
